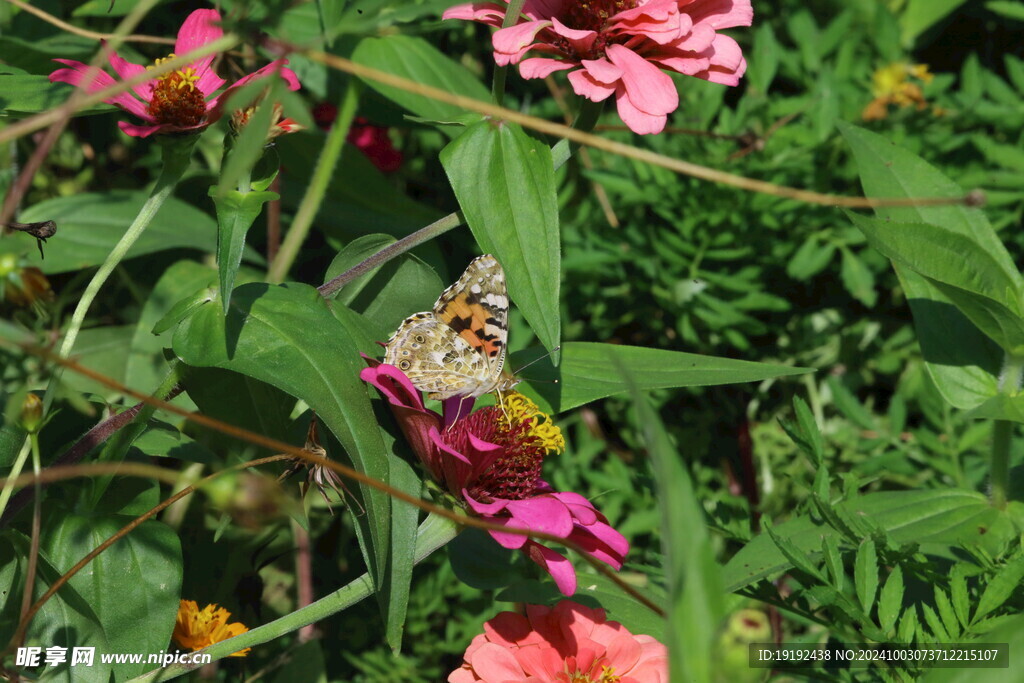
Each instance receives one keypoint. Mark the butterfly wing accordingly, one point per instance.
(436, 359)
(476, 309)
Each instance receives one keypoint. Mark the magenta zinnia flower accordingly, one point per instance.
(181, 100)
(567, 643)
(620, 46)
(492, 462)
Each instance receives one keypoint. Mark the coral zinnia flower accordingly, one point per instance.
(492, 461)
(567, 643)
(177, 101)
(620, 46)
(195, 629)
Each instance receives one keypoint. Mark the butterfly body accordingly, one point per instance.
(458, 348)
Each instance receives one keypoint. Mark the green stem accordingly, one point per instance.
(176, 154)
(19, 464)
(317, 186)
(1002, 433)
(515, 8)
(433, 533)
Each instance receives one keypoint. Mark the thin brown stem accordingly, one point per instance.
(628, 151)
(64, 26)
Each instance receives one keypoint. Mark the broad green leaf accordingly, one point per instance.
(587, 372)
(133, 586)
(404, 521)
(164, 440)
(935, 519)
(387, 294)
(65, 620)
(1000, 407)
(31, 94)
(146, 366)
(286, 336)
(479, 562)
(419, 61)
(505, 184)
(1000, 587)
(890, 601)
(920, 15)
(962, 361)
(865, 573)
(811, 258)
(105, 8)
(89, 225)
(695, 606)
(983, 291)
(105, 350)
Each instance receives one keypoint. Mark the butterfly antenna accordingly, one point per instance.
(538, 359)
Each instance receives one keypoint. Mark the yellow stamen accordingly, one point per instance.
(517, 409)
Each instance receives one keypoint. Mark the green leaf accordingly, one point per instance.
(1004, 669)
(696, 606)
(389, 293)
(133, 586)
(865, 574)
(834, 562)
(419, 61)
(963, 363)
(920, 15)
(958, 592)
(1007, 8)
(481, 563)
(1000, 587)
(908, 626)
(934, 623)
(964, 272)
(65, 620)
(858, 279)
(105, 350)
(890, 601)
(31, 94)
(796, 556)
(236, 212)
(811, 258)
(288, 337)
(1000, 407)
(505, 183)
(404, 521)
(587, 372)
(805, 433)
(935, 519)
(849, 406)
(945, 608)
(89, 225)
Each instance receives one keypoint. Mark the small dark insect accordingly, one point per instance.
(42, 231)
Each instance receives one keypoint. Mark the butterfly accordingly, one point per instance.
(458, 348)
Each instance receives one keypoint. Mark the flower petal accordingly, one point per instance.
(492, 662)
(559, 567)
(142, 131)
(125, 70)
(584, 85)
(200, 28)
(485, 12)
(514, 41)
(720, 13)
(543, 513)
(100, 79)
(649, 89)
(542, 67)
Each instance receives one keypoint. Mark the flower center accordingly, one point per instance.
(525, 433)
(592, 15)
(605, 675)
(176, 99)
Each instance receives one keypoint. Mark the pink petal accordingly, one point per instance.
(142, 131)
(200, 28)
(639, 122)
(658, 20)
(684, 64)
(579, 41)
(624, 652)
(559, 567)
(543, 514)
(728, 56)
(125, 70)
(602, 71)
(484, 12)
(540, 661)
(584, 85)
(715, 75)
(698, 39)
(507, 628)
(462, 675)
(76, 75)
(649, 89)
(494, 663)
(542, 67)
(719, 13)
(516, 40)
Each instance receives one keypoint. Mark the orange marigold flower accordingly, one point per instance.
(197, 628)
(894, 85)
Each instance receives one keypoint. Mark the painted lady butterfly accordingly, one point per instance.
(458, 349)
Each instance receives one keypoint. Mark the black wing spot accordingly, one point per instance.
(493, 321)
(493, 353)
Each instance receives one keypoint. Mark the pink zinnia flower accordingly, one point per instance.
(493, 463)
(620, 46)
(180, 100)
(567, 643)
